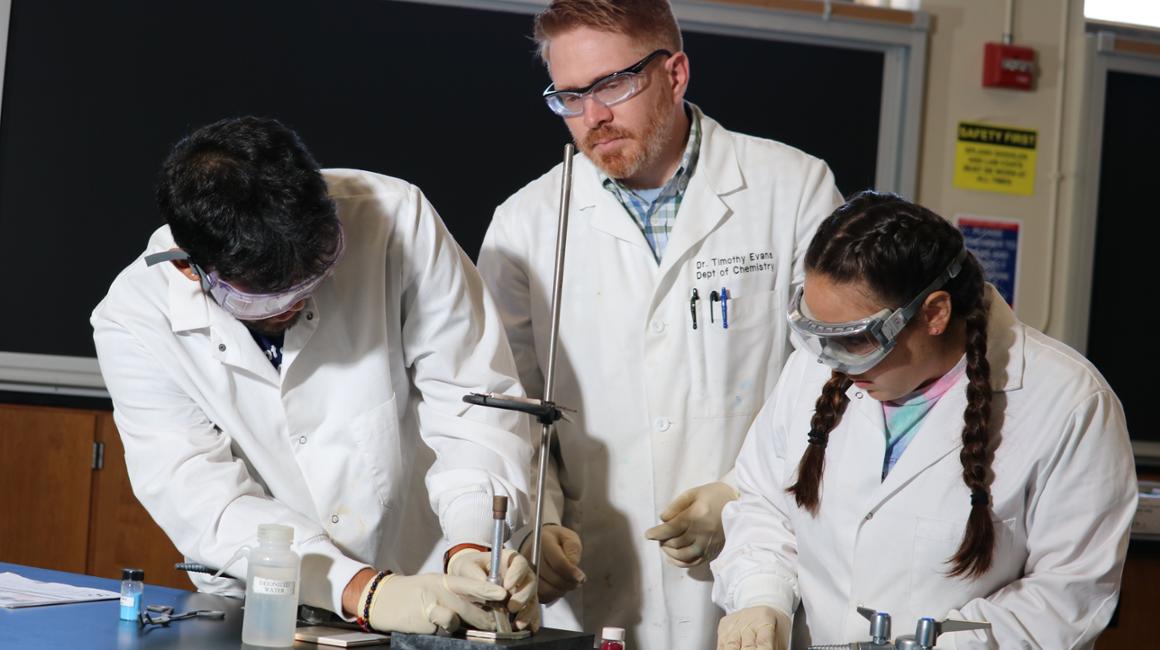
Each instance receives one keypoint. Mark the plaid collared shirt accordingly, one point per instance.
(655, 219)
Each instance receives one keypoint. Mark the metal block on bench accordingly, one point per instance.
(545, 639)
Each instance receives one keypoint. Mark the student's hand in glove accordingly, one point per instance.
(560, 571)
(692, 531)
(518, 579)
(419, 604)
(754, 628)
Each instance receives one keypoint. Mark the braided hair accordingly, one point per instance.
(896, 248)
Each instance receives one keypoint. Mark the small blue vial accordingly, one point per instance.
(131, 591)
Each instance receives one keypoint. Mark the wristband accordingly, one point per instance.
(459, 547)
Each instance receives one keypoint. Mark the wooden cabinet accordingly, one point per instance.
(1135, 624)
(66, 502)
(46, 459)
(121, 532)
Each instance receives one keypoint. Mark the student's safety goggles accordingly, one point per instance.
(244, 305)
(856, 346)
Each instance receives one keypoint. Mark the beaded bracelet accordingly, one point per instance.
(364, 621)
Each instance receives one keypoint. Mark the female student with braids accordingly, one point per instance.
(924, 454)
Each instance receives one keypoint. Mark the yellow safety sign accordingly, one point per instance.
(995, 158)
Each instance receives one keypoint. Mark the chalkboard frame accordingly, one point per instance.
(1102, 58)
(902, 43)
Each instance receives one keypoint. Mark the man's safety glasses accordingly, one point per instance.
(609, 90)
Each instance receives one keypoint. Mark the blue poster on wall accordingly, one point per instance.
(995, 243)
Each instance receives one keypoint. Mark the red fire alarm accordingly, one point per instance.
(1008, 66)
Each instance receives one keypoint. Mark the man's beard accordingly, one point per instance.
(267, 328)
(641, 149)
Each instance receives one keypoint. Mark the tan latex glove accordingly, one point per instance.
(422, 603)
(561, 551)
(692, 531)
(518, 579)
(754, 628)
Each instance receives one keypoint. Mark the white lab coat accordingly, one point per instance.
(218, 441)
(1063, 497)
(662, 407)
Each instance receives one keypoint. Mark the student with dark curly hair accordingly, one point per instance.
(290, 348)
(924, 454)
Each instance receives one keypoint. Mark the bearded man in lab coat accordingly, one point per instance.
(684, 246)
(279, 352)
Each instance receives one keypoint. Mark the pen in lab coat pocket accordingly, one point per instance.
(693, 306)
(724, 308)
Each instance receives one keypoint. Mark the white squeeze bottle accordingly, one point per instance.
(271, 589)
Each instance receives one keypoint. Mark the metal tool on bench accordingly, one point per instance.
(926, 633)
(503, 622)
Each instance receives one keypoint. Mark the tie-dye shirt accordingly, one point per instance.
(904, 415)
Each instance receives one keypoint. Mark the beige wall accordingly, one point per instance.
(1054, 28)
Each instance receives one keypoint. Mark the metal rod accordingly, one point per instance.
(498, 519)
(1009, 25)
(553, 339)
(541, 479)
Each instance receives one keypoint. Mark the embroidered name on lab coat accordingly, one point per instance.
(709, 268)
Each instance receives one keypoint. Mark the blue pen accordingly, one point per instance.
(724, 308)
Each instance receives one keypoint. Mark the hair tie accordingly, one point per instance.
(819, 438)
(979, 498)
